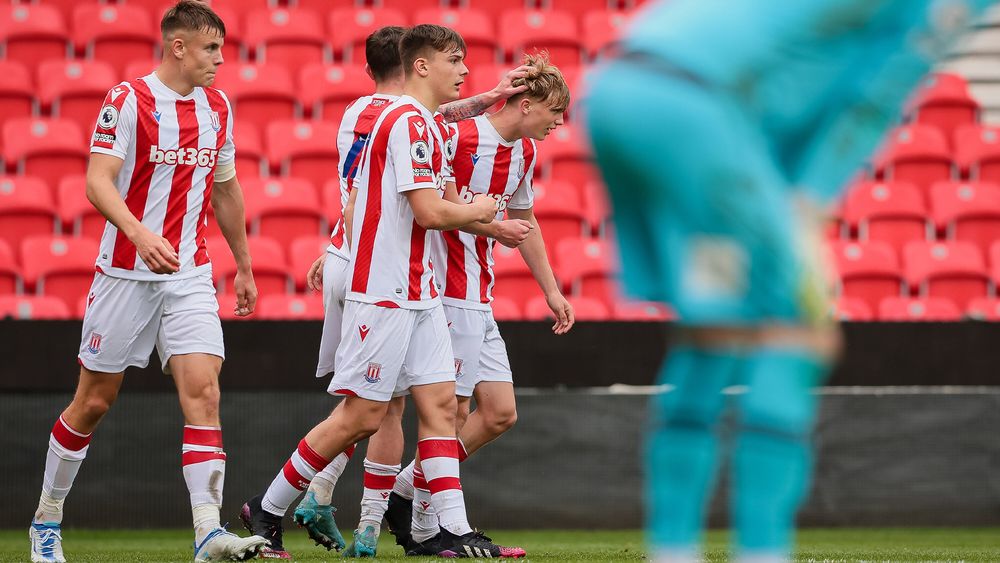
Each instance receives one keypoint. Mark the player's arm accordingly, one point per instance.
(510, 233)
(533, 252)
(227, 201)
(432, 212)
(314, 279)
(471, 107)
(155, 250)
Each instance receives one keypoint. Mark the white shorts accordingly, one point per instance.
(385, 351)
(334, 291)
(126, 318)
(480, 352)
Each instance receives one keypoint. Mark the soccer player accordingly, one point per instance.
(397, 335)
(753, 112)
(329, 274)
(162, 150)
(495, 156)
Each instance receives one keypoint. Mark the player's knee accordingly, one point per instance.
(96, 406)
(207, 395)
(501, 420)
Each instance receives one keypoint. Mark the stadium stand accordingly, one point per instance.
(58, 266)
(33, 307)
(913, 309)
(290, 307)
(270, 270)
(922, 222)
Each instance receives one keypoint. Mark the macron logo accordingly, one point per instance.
(424, 504)
(118, 91)
(363, 330)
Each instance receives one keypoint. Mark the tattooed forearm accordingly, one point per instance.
(464, 109)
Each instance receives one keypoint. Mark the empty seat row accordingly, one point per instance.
(916, 309)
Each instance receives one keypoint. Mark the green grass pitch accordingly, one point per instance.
(564, 546)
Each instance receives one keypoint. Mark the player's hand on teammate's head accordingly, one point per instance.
(246, 294)
(512, 232)
(486, 208)
(506, 88)
(314, 279)
(156, 251)
(563, 311)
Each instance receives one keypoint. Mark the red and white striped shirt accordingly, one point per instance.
(355, 128)
(171, 145)
(390, 260)
(484, 163)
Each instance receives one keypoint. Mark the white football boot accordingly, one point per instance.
(222, 545)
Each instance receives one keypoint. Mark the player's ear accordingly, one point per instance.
(525, 105)
(176, 45)
(420, 66)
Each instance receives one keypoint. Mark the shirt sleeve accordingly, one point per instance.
(228, 152)
(115, 126)
(524, 196)
(410, 153)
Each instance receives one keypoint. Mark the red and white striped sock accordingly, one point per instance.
(423, 521)
(379, 480)
(404, 481)
(439, 461)
(204, 466)
(293, 478)
(67, 450)
(325, 481)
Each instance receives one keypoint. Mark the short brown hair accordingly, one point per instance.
(419, 39)
(382, 52)
(544, 81)
(191, 15)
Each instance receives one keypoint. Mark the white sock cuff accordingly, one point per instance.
(380, 468)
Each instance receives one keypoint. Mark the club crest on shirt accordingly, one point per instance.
(520, 168)
(94, 346)
(374, 373)
(214, 119)
(458, 368)
(108, 118)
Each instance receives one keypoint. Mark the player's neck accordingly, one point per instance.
(506, 124)
(172, 78)
(389, 88)
(423, 93)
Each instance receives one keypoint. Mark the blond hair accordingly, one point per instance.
(544, 81)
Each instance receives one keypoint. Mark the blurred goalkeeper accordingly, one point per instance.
(754, 113)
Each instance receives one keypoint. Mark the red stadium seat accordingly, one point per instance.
(994, 265)
(915, 153)
(78, 215)
(912, 309)
(288, 37)
(60, 267)
(977, 152)
(26, 209)
(115, 34)
(984, 309)
(943, 101)
(409, 7)
(324, 5)
(505, 309)
(868, 271)
(17, 97)
(33, 33)
(513, 278)
(139, 67)
(33, 307)
(284, 209)
(75, 89)
(304, 149)
(559, 212)
(950, 270)
(527, 31)
(891, 212)
(243, 7)
(564, 155)
(648, 311)
(259, 93)
(967, 211)
(10, 273)
(350, 27)
(601, 29)
(584, 309)
(303, 253)
(596, 207)
(475, 27)
(250, 156)
(270, 270)
(290, 308)
(483, 78)
(47, 148)
(326, 90)
(496, 7)
(579, 8)
(588, 268)
(852, 309)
